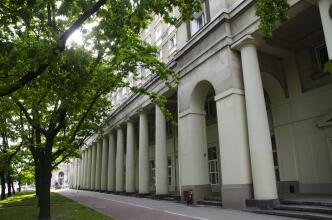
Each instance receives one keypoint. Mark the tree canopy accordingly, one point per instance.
(62, 90)
(55, 95)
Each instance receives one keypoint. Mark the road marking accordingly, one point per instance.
(132, 204)
(145, 207)
(174, 213)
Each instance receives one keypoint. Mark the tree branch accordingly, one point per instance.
(94, 100)
(60, 47)
(30, 120)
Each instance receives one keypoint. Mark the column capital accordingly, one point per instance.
(244, 41)
(191, 112)
(141, 110)
(228, 92)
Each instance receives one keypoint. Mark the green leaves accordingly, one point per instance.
(270, 12)
(328, 67)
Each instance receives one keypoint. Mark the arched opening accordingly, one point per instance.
(202, 101)
(61, 177)
(282, 136)
(273, 135)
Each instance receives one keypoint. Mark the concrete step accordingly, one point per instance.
(293, 214)
(210, 203)
(175, 197)
(168, 197)
(217, 199)
(305, 208)
(310, 203)
(145, 195)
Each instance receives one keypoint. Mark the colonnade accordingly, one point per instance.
(104, 168)
(104, 165)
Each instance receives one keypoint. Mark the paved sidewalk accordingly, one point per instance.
(132, 208)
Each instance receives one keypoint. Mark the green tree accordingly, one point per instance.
(33, 33)
(64, 98)
(10, 128)
(23, 168)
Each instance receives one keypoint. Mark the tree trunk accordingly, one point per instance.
(37, 179)
(13, 188)
(19, 186)
(44, 193)
(45, 175)
(9, 187)
(3, 185)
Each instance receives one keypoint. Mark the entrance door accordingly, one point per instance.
(213, 163)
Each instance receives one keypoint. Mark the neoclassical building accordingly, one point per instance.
(254, 114)
(60, 177)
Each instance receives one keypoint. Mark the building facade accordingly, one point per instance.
(60, 176)
(254, 114)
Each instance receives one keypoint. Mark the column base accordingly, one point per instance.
(234, 196)
(262, 204)
(129, 193)
(161, 196)
(199, 192)
(142, 195)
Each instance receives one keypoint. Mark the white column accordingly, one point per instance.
(258, 127)
(98, 165)
(82, 169)
(79, 168)
(86, 169)
(111, 163)
(234, 148)
(193, 149)
(324, 7)
(93, 166)
(130, 158)
(119, 179)
(143, 155)
(161, 154)
(74, 173)
(104, 164)
(89, 183)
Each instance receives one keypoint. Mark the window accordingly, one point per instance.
(275, 157)
(213, 165)
(172, 44)
(169, 171)
(160, 54)
(153, 171)
(322, 56)
(61, 178)
(158, 31)
(199, 20)
(210, 109)
(197, 23)
(330, 148)
(169, 129)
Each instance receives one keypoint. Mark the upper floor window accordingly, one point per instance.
(322, 56)
(160, 54)
(158, 31)
(197, 23)
(172, 42)
(199, 19)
